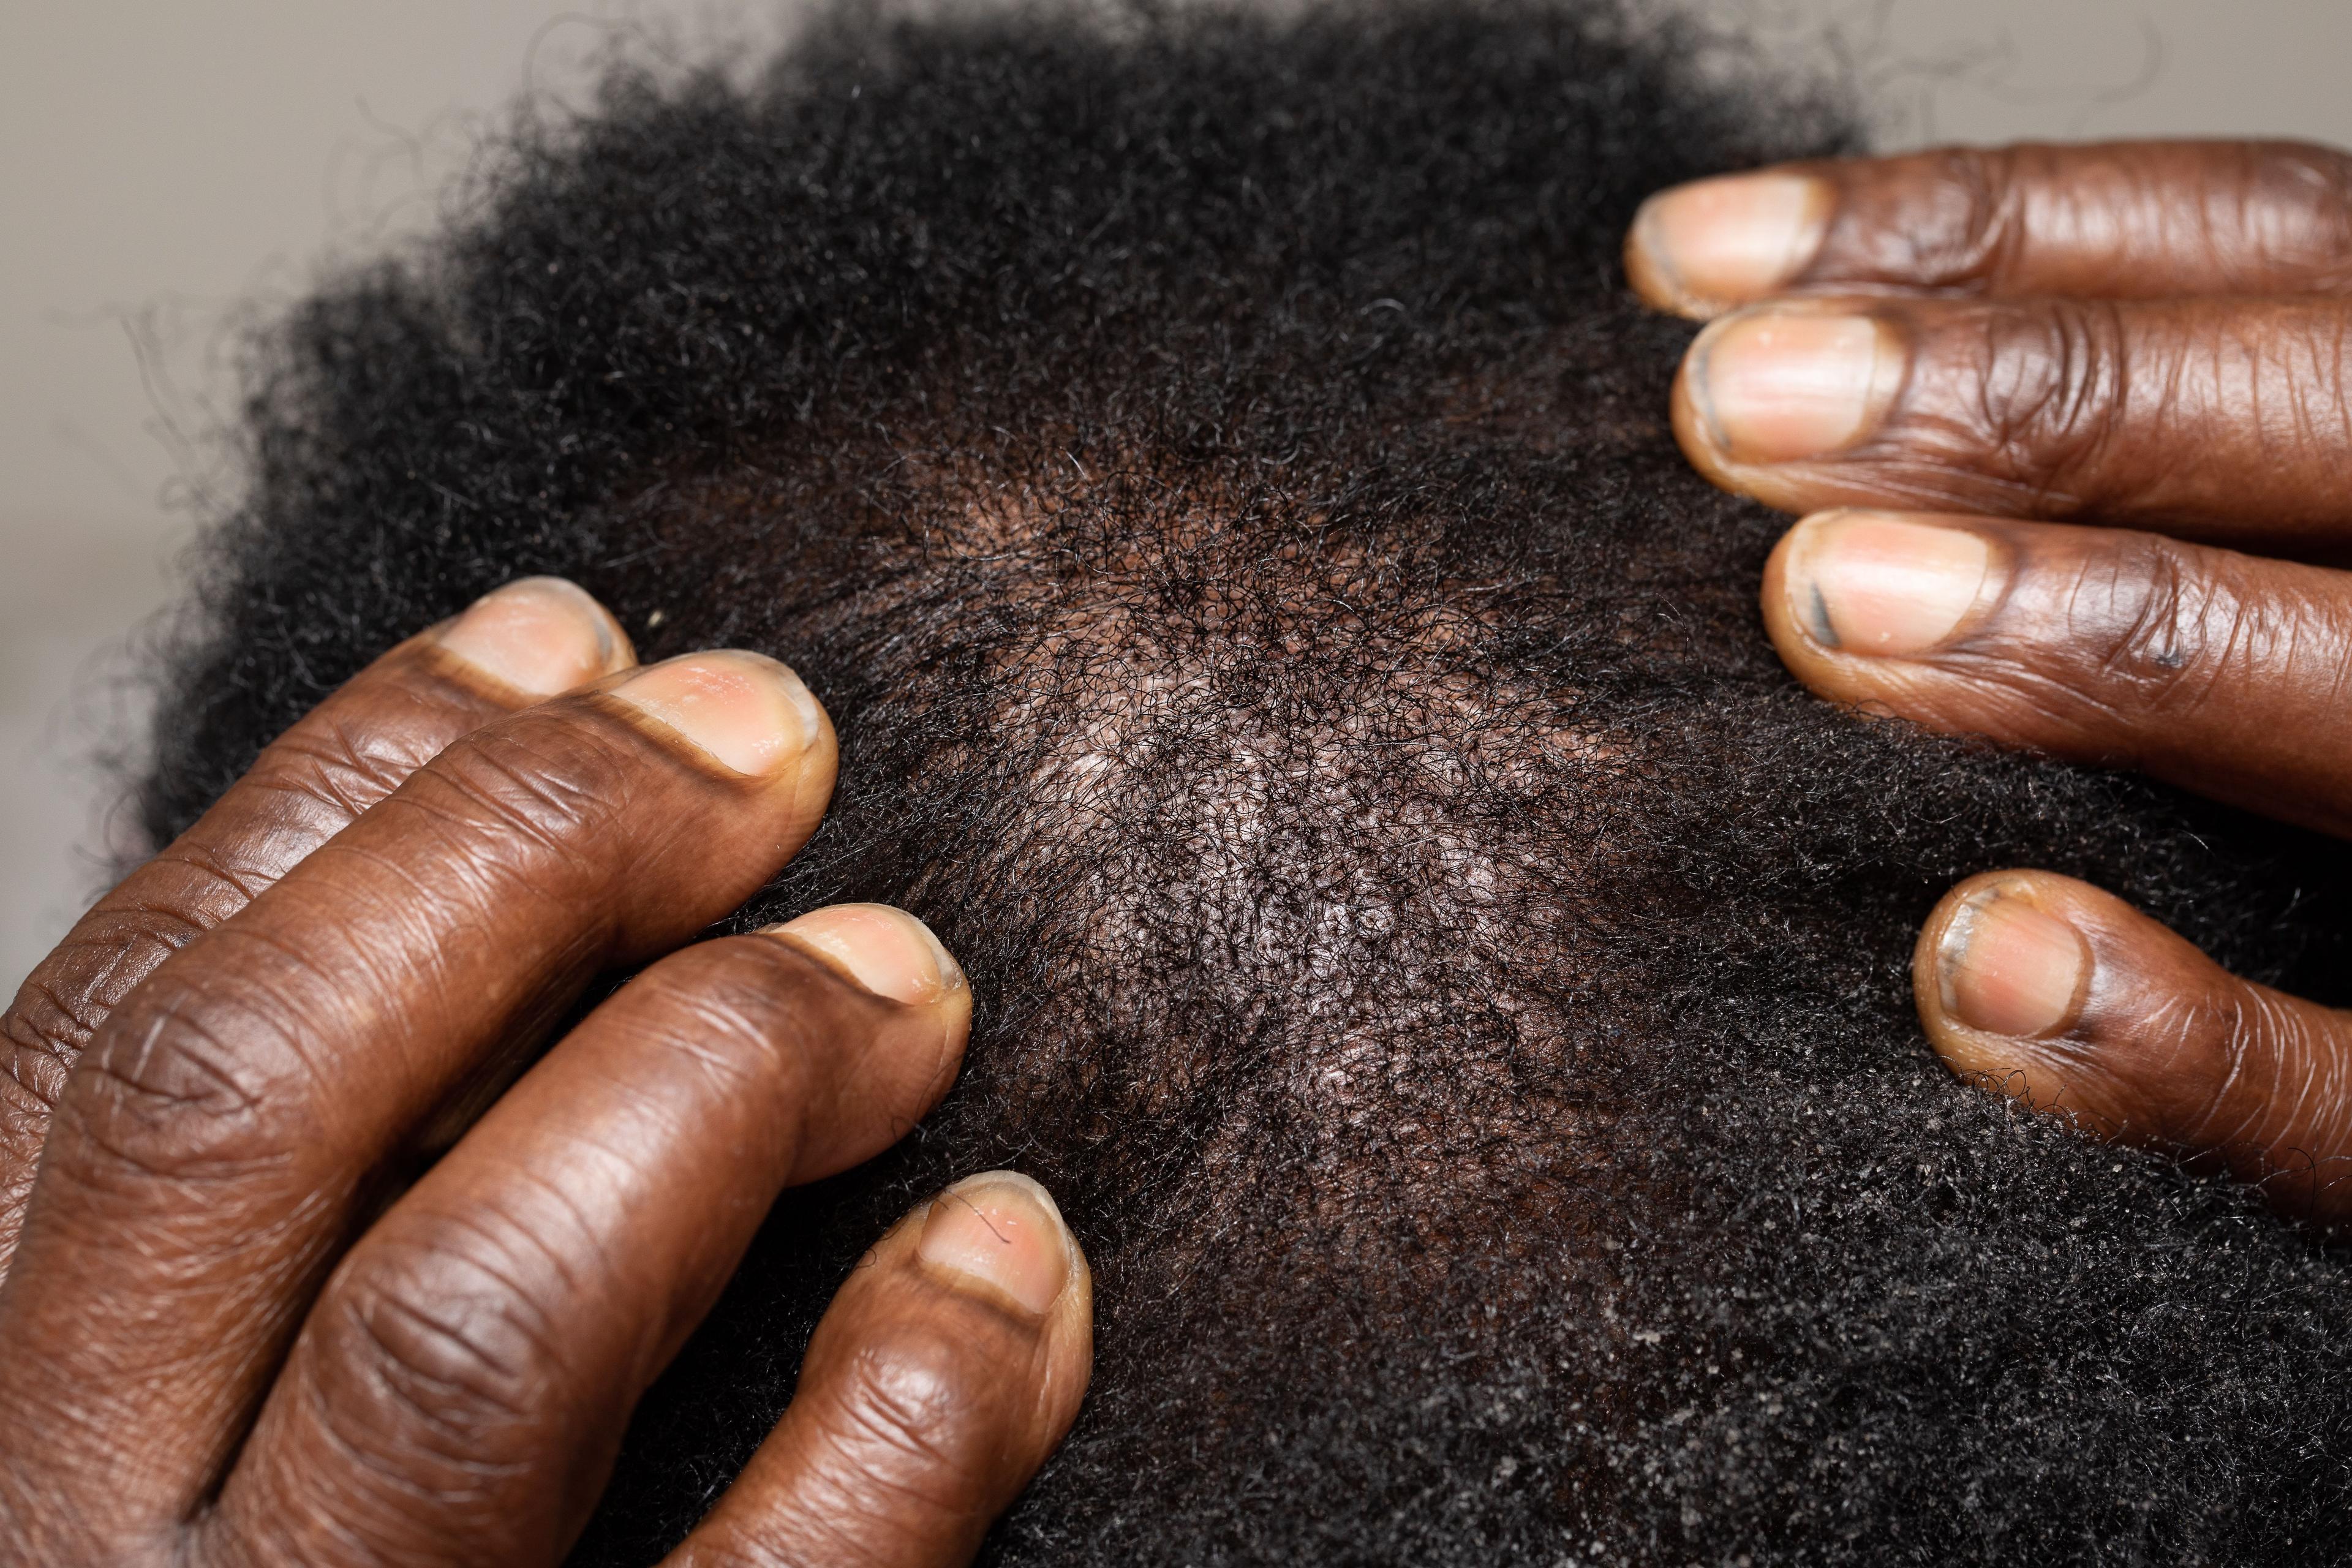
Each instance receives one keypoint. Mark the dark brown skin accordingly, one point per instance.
(244, 1328)
(2085, 417)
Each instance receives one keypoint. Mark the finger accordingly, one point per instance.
(235, 1117)
(2072, 1001)
(2220, 672)
(459, 1391)
(2224, 420)
(529, 640)
(2119, 220)
(946, 1371)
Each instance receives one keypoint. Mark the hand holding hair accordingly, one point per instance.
(307, 1260)
(2080, 419)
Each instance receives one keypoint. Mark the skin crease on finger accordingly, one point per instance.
(636, 1160)
(2214, 670)
(529, 640)
(451, 1446)
(2121, 221)
(2062, 409)
(1450, 978)
(594, 830)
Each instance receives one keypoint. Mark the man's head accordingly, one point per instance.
(1211, 473)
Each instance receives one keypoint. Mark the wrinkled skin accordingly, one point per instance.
(2083, 418)
(243, 1328)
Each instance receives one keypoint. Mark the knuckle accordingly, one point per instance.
(1972, 228)
(61, 1005)
(427, 1345)
(2049, 393)
(342, 767)
(921, 1401)
(2160, 625)
(46, 1032)
(2138, 607)
(178, 1098)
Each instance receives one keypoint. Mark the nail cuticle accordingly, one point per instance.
(804, 704)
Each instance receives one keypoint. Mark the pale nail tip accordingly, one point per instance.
(918, 971)
(1034, 1188)
(1949, 950)
(1652, 269)
(599, 619)
(805, 707)
(1699, 380)
(951, 973)
(530, 638)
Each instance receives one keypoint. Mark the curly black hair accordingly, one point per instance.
(1211, 468)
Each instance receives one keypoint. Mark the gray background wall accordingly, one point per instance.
(168, 165)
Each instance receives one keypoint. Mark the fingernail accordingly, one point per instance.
(1776, 386)
(749, 711)
(538, 635)
(887, 950)
(1002, 1229)
(1871, 583)
(1726, 241)
(2007, 968)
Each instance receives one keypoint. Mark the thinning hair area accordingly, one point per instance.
(1455, 982)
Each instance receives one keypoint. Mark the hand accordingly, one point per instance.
(2152, 337)
(242, 1327)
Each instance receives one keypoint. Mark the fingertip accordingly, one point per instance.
(1911, 614)
(885, 950)
(1703, 247)
(540, 636)
(909, 1055)
(950, 1366)
(1001, 1234)
(2003, 961)
(2069, 999)
(998, 1240)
